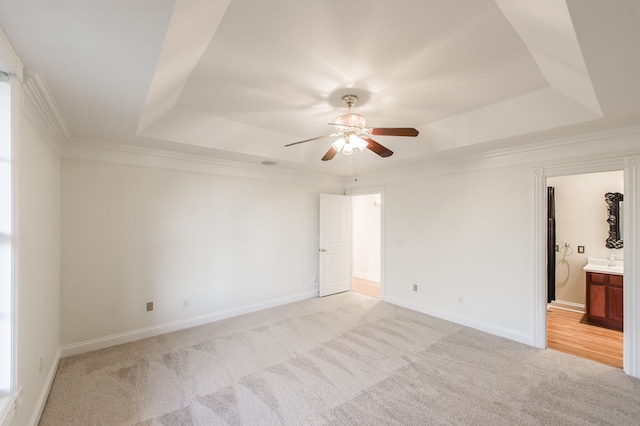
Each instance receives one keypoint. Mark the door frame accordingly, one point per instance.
(631, 236)
(370, 191)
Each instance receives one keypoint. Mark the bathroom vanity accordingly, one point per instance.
(604, 281)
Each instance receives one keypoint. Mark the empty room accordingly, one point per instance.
(193, 194)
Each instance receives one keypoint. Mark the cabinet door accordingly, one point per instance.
(597, 301)
(614, 300)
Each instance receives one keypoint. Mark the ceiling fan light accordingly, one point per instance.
(357, 142)
(347, 149)
(338, 144)
(351, 120)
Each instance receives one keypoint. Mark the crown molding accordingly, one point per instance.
(590, 147)
(593, 146)
(37, 91)
(165, 159)
(8, 59)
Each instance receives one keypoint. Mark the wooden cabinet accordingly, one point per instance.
(604, 300)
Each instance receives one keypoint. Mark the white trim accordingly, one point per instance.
(156, 330)
(463, 321)
(156, 158)
(14, 67)
(631, 238)
(568, 306)
(539, 279)
(16, 137)
(32, 114)
(7, 410)
(631, 167)
(595, 146)
(44, 392)
(37, 91)
(8, 58)
(598, 146)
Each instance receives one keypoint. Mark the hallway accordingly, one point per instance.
(363, 286)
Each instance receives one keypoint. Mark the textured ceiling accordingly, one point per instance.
(239, 79)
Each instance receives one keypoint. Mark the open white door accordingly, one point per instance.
(335, 250)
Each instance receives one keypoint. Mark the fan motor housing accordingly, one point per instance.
(351, 120)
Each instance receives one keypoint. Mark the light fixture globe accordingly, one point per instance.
(351, 120)
(356, 142)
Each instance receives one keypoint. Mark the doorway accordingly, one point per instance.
(366, 253)
(580, 234)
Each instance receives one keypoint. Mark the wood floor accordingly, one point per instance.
(567, 333)
(370, 288)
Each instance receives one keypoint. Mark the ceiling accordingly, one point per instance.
(239, 79)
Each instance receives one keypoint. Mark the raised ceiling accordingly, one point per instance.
(239, 79)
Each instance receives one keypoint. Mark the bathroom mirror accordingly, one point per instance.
(614, 201)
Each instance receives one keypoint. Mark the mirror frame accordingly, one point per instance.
(613, 200)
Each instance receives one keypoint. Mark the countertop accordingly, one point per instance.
(602, 266)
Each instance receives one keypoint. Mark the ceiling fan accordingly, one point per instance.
(354, 134)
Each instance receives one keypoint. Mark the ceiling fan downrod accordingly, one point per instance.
(349, 100)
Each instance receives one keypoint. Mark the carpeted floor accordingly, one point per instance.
(341, 360)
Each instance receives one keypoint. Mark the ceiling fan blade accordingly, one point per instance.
(374, 146)
(312, 139)
(345, 126)
(393, 131)
(330, 154)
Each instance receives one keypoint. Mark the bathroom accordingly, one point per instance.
(581, 221)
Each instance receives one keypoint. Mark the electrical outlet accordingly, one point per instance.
(149, 306)
(460, 300)
(415, 287)
(185, 303)
(580, 249)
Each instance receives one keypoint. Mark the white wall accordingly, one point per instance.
(463, 237)
(138, 234)
(38, 270)
(365, 229)
(581, 219)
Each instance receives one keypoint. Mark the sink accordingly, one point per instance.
(602, 266)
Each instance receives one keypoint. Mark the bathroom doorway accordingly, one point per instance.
(366, 242)
(581, 229)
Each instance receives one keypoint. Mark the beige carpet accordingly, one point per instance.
(341, 360)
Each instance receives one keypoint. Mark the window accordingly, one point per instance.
(6, 253)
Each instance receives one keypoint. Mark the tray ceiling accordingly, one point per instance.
(239, 79)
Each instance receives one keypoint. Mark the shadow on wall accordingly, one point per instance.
(563, 266)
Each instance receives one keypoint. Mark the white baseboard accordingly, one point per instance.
(44, 393)
(7, 409)
(467, 322)
(156, 330)
(568, 306)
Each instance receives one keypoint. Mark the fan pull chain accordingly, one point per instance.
(352, 170)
